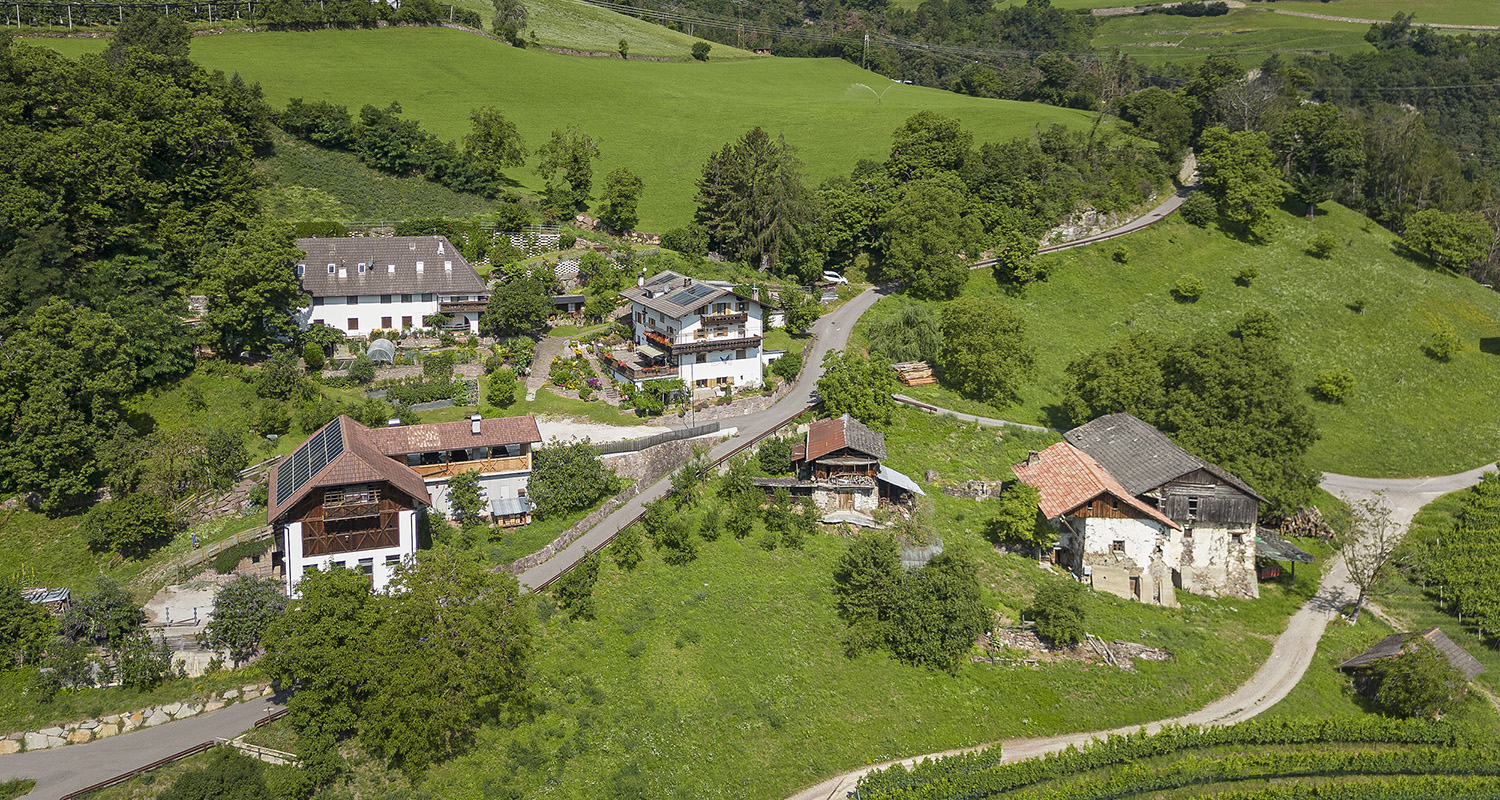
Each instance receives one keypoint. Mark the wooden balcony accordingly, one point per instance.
(637, 370)
(462, 306)
(727, 318)
(712, 343)
(484, 466)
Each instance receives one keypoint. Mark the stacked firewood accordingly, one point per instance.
(914, 373)
(1307, 521)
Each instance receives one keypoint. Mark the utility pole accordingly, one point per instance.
(863, 53)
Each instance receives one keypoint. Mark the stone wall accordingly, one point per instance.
(112, 724)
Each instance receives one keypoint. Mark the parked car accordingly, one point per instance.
(834, 277)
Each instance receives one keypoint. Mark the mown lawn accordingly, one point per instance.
(661, 120)
(727, 677)
(1410, 414)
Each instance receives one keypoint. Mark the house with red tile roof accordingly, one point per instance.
(351, 496)
(1139, 517)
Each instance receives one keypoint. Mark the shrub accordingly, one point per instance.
(712, 524)
(1323, 245)
(1121, 254)
(312, 354)
(775, 455)
(787, 367)
(627, 548)
(1188, 288)
(1199, 210)
(1358, 305)
(1419, 683)
(700, 50)
(575, 589)
(502, 391)
(1445, 342)
(565, 241)
(363, 369)
(1247, 276)
(271, 419)
(227, 560)
(1059, 609)
(1334, 385)
(132, 525)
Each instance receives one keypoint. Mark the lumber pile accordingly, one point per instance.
(914, 373)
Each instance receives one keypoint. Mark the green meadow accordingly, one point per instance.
(1250, 33)
(662, 120)
(1410, 414)
(1459, 12)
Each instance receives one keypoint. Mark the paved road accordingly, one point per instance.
(67, 769)
(830, 333)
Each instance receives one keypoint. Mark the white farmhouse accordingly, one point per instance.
(366, 283)
(702, 334)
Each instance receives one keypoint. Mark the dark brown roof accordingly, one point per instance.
(460, 435)
(1141, 457)
(1397, 643)
(675, 295)
(344, 455)
(829, 435)
(1067, 478)
(390, 267)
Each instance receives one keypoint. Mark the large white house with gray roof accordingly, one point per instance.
(703, 334)
(366, 283)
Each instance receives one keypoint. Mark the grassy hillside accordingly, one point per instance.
(579, 26)
(727, 677)
(660, 119)
(1461, 12)
(1411, 414)
(1248, 32)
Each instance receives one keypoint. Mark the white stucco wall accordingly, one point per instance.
(1214, 563)
(297, 565)
(369, 313)
(718, 364)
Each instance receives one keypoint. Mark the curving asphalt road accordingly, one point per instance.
(62, 770)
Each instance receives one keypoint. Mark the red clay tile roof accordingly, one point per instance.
(827, 435)
(1067, 478)
(358, 461)
(436, 436)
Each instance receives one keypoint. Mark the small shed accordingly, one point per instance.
(382, 351)
(1399, 643)
(568, 303)
(55, 601)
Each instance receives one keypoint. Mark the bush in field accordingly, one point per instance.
(1060, 611)
(1334, 385)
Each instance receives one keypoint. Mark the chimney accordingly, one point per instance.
(343, 272)
(640, 280)
(390, 269)
(412, 245)
(1031, 457)
(474, 424)
(393, 422)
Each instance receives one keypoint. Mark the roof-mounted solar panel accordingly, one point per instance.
(308, 460)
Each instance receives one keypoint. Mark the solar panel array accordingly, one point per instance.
(309, 460)
(692, 295)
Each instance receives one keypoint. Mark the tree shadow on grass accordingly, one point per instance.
(1490, 345)
(1056, 417)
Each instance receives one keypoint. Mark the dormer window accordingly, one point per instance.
(420, 266)
(332, 268)
(361, 267)
(301, 270)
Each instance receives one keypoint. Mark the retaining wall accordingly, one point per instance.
(104, 727)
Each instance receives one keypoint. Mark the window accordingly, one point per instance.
(361, 267)
(405, 323)
(335, 565)
(700, 383)
(317, 301)
(351, 300)
(332, 268)
(742, 306)
(301, 270)
(740, 353)
(385, 322)
(1187, 533)
(720, 332)
(640, 316)
(367, 567)
(392, 560)
(427, 297)
(721, 308)
(699, 332)
(702, 358)
(317, 322)
(1117, 546)
(385, 298)
(1192, 508)
(406, 298)
(354, 323)
(1237, 538)
(1114, 503)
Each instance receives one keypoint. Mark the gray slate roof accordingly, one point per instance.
(1396, 644)
(1141, 457)
(674, 295)
(390, 267)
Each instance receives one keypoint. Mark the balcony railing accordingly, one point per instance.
(727, 318)
(450, 306)
(712, 343)
(484, 466)
(635, 372)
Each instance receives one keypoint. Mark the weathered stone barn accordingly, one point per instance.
(1142, 518)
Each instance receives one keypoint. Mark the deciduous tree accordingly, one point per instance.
(253, 288)
(853, 383)
(985, 353)
(493, 142)
(1448, 239)
(571, 152)
(568, 477)
(244, 609)
(1238, 171)
(619, 199)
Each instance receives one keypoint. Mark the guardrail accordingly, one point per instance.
(714, 465)
(632, 445)
(125, 776)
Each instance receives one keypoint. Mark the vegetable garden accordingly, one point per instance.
(1364, 757)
